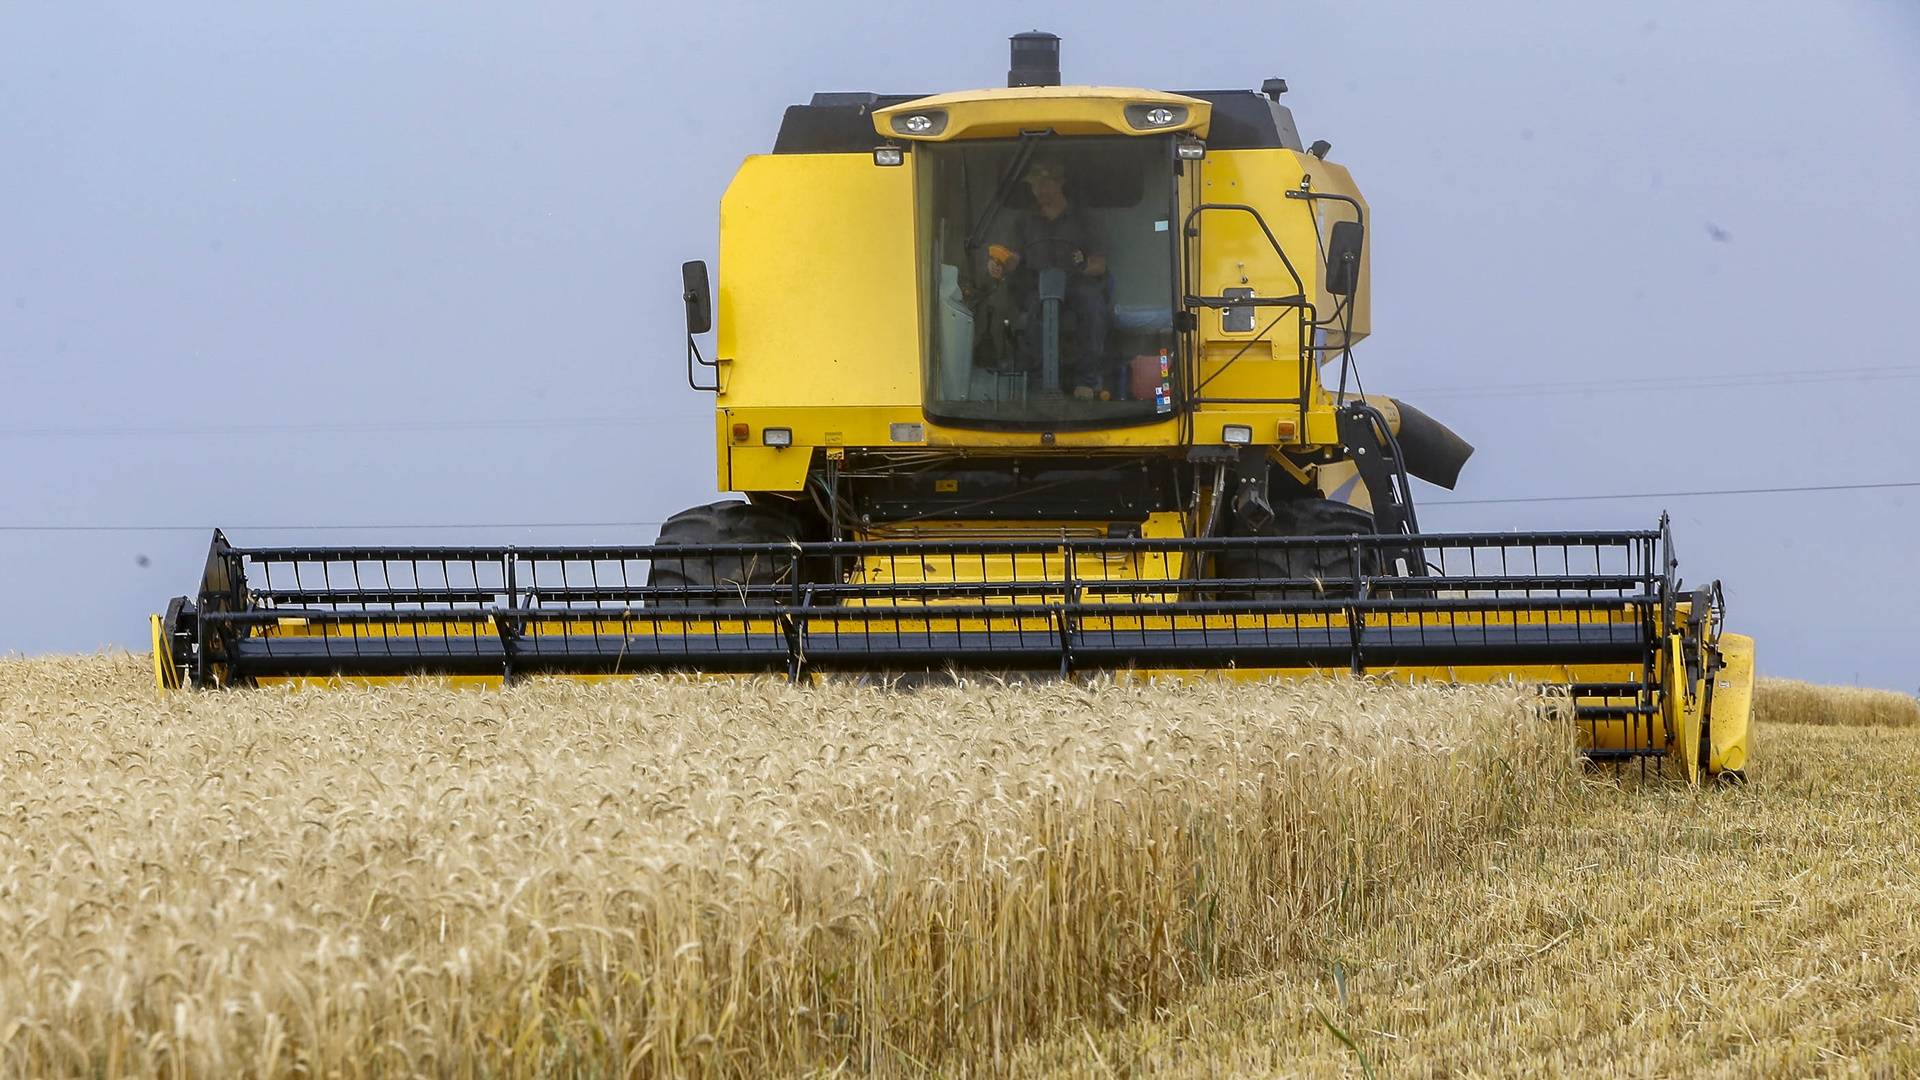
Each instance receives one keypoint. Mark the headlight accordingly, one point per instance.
(1150, 116)
(887, 155)
(1191, 149)
(1237, 434)
(921, 124)
(776, 436)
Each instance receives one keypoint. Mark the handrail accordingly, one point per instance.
(1299, 284)
(1296, 301)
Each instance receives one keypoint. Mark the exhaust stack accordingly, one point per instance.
(1034, 59)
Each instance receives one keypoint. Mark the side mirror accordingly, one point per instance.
(699, 299)
(1344, 245)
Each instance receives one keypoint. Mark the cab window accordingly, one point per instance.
(1049, 270)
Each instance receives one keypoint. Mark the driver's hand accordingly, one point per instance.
(999, 257)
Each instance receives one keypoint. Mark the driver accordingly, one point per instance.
(1056, 235)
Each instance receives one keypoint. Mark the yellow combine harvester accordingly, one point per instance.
(1045, 378)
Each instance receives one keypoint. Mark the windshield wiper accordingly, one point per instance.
(1028, 141)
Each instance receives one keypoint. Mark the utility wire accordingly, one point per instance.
(1746, 380)
(1795, 490)
(1731, 380)
(330, 528)
(1680, 494)
(345, 426)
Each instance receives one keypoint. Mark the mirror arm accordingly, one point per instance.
(1359, 215)
(697, 295)
(694, 357)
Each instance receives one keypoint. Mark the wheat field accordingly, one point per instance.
(677, 877)
(669, 877)
(1790, 701)
(1646, 930)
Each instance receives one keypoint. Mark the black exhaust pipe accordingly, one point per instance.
(1035, 59)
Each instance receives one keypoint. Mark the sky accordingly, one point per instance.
(415, 268)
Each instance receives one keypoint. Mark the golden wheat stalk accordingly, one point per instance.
(665, 876)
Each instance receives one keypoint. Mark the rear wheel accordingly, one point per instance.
(1326, 571)
(720, 580)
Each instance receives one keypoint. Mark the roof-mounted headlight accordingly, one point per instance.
(924, 124)
(1152, 116)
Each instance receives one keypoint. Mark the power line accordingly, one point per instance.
(385, 527)
(1728, 380)
(1758, 379)
(1680, 494)
(330, 528)
(352, 426)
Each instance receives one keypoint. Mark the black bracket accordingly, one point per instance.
(1369, 445)
(1072, 599)
(1711, 669)
(793, 626)
(180, 638)
(506, 619)
(1356, 625)
(1252, 511)
(508, 628)
(223, 590)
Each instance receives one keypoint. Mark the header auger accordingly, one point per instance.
(1066, 391)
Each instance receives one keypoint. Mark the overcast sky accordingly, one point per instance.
(416, 265)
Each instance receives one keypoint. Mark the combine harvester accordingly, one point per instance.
(1037, 379)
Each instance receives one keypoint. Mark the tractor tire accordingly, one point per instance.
(1331, 566)
(727, 522)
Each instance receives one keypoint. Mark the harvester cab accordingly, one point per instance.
(1068, 387)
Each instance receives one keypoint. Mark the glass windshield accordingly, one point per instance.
(1049, 266)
